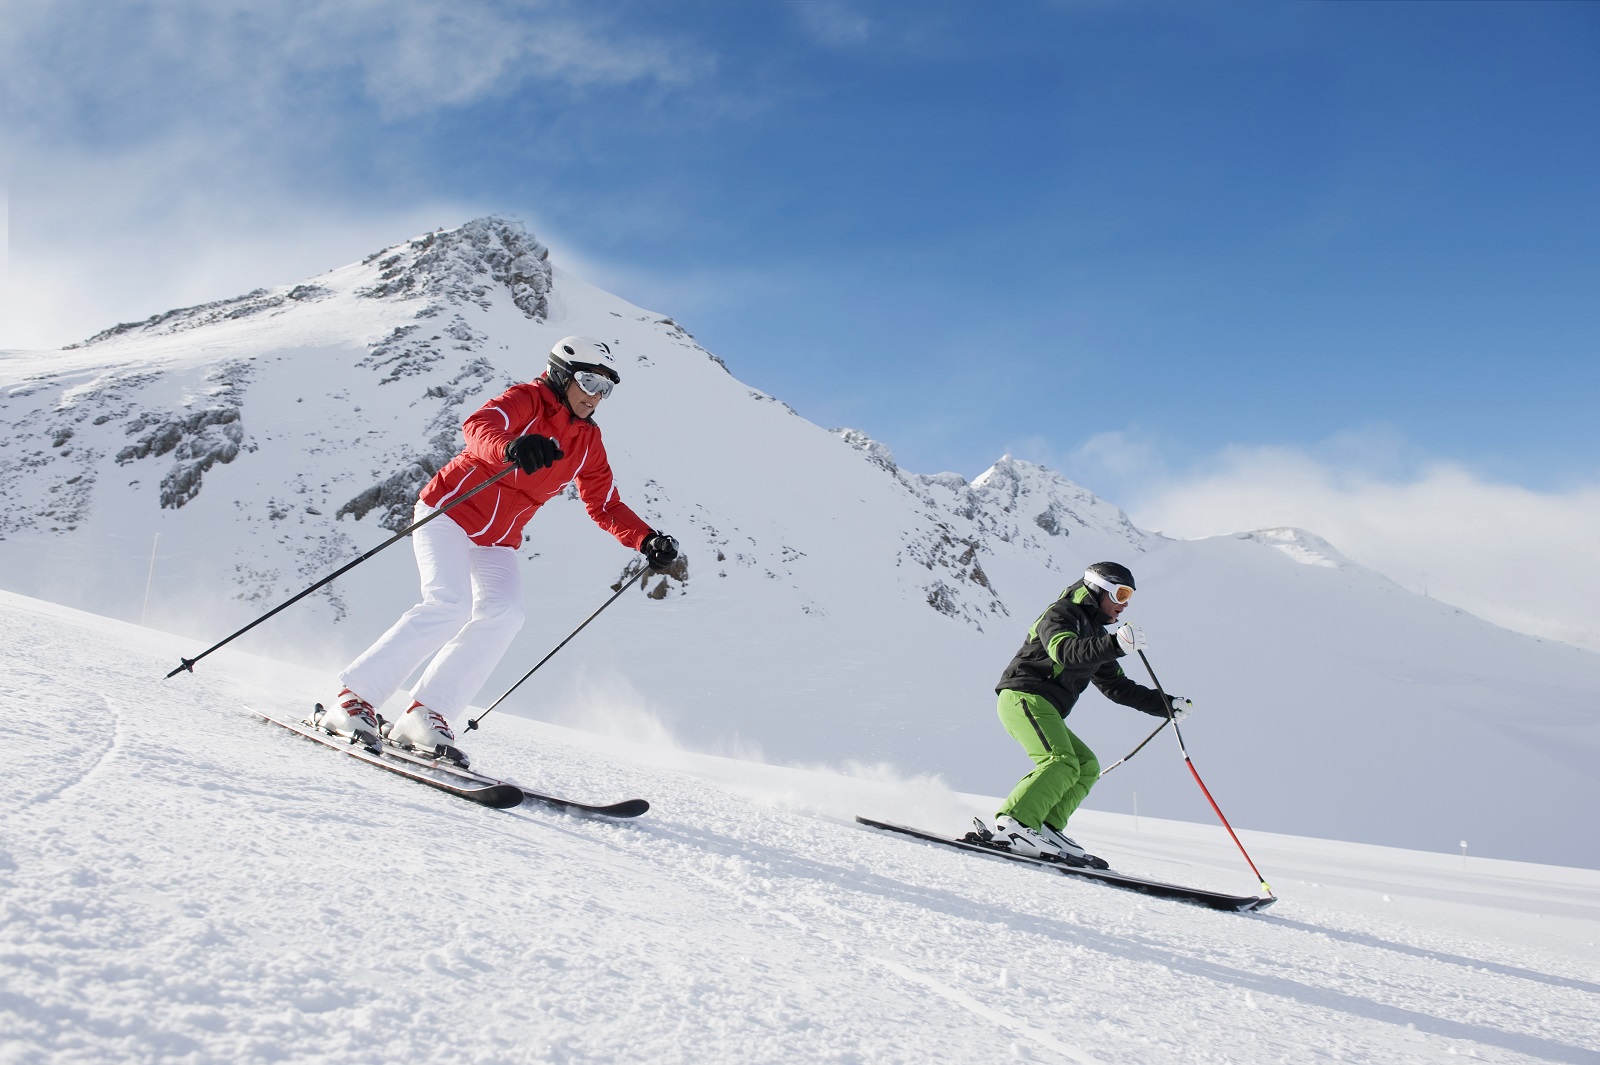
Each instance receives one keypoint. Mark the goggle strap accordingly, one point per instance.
(1121, 593)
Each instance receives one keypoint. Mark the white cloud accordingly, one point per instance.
(98, 238)
(192, 57)
(161, 154)
(431, 53)
(1524, 559)
(832, 22)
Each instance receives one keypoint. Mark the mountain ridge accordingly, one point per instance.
(199, 467)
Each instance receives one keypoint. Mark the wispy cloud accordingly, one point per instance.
(101, 236)
(1525, 559)
(833, 22)
(261, 57)
(162, 153)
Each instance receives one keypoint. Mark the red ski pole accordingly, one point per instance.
(1196, 774)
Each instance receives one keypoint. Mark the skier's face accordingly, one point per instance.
(581, 402)
(1112, 608)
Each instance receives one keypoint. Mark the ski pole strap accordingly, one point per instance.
(187, 664)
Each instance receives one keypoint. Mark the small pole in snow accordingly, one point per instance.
(1463, 855)
(149, 579)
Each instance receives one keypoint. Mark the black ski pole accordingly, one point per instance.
(1139, 748)
(644, 575)
(1178, 732)
(188, 663)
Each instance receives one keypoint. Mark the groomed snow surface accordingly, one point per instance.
(181, 883)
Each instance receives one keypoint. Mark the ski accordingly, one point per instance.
(1215, 899)
(451, 778)
(624, 809)
(497, 794)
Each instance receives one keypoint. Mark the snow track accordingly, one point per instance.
(181, 883)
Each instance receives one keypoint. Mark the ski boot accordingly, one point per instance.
(350, 716)
(1018, 838)
(425, 732)
(1072, 853)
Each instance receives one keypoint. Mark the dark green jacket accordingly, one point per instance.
(1066, 649)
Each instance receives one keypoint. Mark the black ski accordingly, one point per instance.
(1215, 899)
(497, 794)
(463, 783)
(625, 808)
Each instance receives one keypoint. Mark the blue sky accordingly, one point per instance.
(1154, 245)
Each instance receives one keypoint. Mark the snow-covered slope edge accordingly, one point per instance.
(179, 882)
(835, 608)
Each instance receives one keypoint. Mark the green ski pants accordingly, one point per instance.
(1066, 768)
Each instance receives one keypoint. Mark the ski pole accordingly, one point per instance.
(644, 575)
(1139, 748)
(1178, 732)
(188, 663)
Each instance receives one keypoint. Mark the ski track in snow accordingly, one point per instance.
(182, 883)
(843, 949)
(113, 743)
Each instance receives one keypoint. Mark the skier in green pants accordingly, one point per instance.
(1067, 648)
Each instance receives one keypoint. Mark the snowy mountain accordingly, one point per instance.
(181, 882)
(198, 467)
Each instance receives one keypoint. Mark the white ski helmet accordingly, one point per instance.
(1112, 578)
(574, 354)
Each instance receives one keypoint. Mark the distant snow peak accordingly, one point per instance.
(1305, 548)
(465, 265)
(1014, 502)
(1038, 496)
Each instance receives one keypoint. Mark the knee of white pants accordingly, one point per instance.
(447, 614)
(504, 615)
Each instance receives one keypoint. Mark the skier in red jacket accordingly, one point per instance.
(471, 588)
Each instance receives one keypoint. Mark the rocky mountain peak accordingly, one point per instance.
(466, 265)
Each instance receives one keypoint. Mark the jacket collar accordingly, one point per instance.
(561, 397)
(1085, 597)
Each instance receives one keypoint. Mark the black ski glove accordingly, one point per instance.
(659, 550)
(532, 453)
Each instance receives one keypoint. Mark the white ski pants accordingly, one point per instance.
(471, 608)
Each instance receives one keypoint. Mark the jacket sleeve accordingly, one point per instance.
(598, 490)
(1120, 688)
(1058, 632)
(500, 421)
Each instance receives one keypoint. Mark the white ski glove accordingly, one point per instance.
(1130, 639)
(1180, 707)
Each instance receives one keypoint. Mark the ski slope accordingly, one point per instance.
(181, 883)
(201, 466)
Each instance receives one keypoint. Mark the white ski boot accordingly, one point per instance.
(1071, 851)
(425, 732)
(1020, 839)
(350, 716)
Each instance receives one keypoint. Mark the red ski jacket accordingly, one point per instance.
(495, 516)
